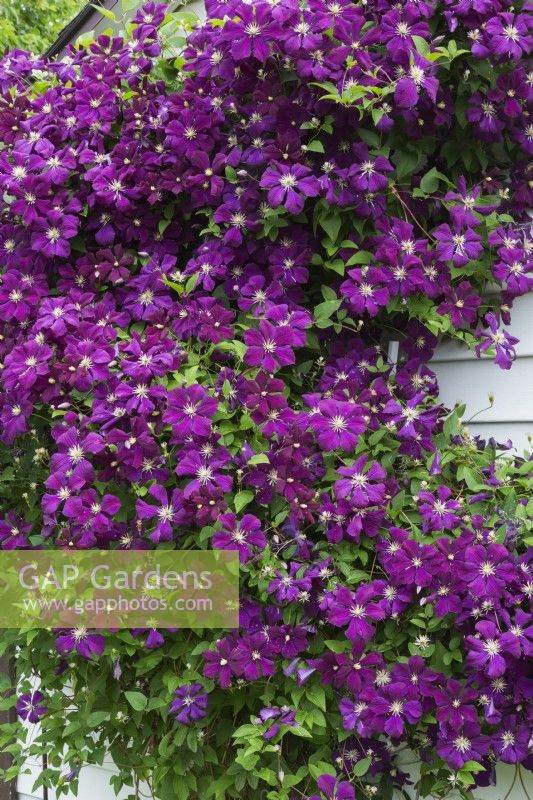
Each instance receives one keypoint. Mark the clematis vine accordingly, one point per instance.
(228, 253)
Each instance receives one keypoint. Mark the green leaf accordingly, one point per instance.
(242, 499)
(430, 181)
(137, 700)
(231, 175)
(191, 283)
(300, 731)
(370, 137)
(292, 780)
(176, 286)
(407, 164)
(326, 309)
(465, 777)
(377, 114)
(322, 768)
(71, 728)
(235, 346)
(245, 732)
(84, 40)
(97, 717)
(5, 682)
(473, 766)
(259, 458)
(337, 265)
(328, 293)
(316, 694)
(104, 12)
(316, 146)
(472, 480)
(421, 45)
(335, 645)
(361, 257)
(361, 767)
(328, 86)
(181, 790)
(332, 225)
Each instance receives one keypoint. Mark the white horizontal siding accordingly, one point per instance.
(472, 381)
(465, 379)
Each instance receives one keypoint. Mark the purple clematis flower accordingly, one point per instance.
(522, 629)
(338, 424)
(219, 663)
(366, 174)
(466, 204)
(487, 570)
(14, 532)
(407, 90)
(390, 709)
(459, 745)
(251, 33)
(168, 513)
(438, 511)
(487, 650)
(253, 657)
(52, 237)
(362, 483)
(31, 707)
(366, 290)
(412, 564)
(511, 743)
(14, 415)
(289, 185)
(74, 447)
(91, 510)
(355, 715)
(206, 470)
(189, 412)
(461, 303)
(189, 703)
(17, 296)
(353, 671)
(458, 245)
(455, 704)
(240, 535)
(509, 34)
(25, 364)
(88, 645)
(502, 342)
(356, 610)
(288, 588)
(269, 346)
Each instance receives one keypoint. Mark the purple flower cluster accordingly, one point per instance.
(471, 577)
(193, 293)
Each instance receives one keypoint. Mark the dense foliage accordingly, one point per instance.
(34, 24)
(204, 260)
